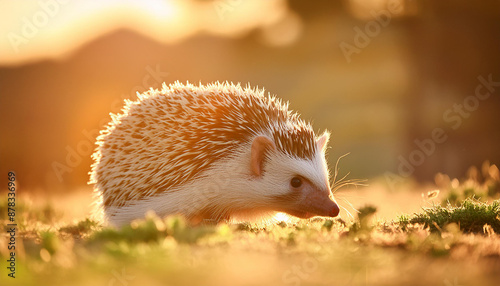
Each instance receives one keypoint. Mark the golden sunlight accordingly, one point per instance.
(282, 217)
(54, 28)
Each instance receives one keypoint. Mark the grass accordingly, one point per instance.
(455, 244)
(470, 216)
(481, 184)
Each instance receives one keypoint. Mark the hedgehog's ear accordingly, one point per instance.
(322, 141)
(260, 145)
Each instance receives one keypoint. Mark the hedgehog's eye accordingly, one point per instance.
(296, 182)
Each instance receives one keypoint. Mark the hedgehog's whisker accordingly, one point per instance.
(342, 182)
(351, 182)
(350, 205)
(337, 169)
(342, 179)
(348, 212)
(337, 184)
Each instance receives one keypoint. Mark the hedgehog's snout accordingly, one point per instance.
(311, 201)
(319, 203)
(335, 210)
(334, 207)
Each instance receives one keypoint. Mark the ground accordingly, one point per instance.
(404, 235)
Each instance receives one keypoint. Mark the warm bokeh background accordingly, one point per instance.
(379, 74)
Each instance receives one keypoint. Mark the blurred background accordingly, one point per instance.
(408, 87)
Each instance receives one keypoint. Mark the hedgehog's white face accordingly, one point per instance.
(299, 187)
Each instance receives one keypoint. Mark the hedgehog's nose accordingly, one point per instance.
(331, 207)
(335, 210)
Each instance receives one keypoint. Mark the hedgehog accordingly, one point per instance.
(211, 153)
